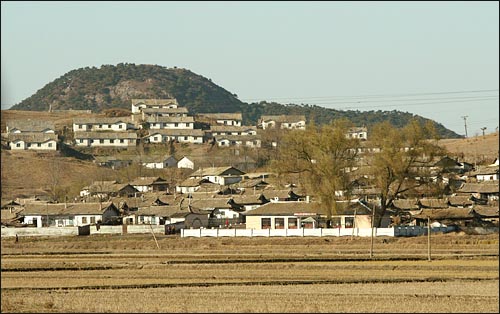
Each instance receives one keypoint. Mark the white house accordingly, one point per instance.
(157, 162)
(32, 141)
(238, 140)
(358, 132)
(31, 135)
(185, 162)
(283, 122)
(219, 175)
(231, 130)
(116, 124)
(68, 214)
(233, 119)
(170, 122)
(139, 104)
(149, 184)
(105, 139)
(164, 112)
(194, 136)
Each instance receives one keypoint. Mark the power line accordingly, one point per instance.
(376, 95)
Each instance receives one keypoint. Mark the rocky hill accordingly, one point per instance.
(110, 86)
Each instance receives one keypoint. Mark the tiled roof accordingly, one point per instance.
(433, 202)
(165, 101)
(446, 213)
(165, 110)
(148, 181)
(483, 187)
(30, 125)
(214, 171)
(284, 118)
(69, 208)
(460, 200)
(102, 120)
(169, 119)
(231, 128)
(286, 209)
(223, 116)
(32, 137)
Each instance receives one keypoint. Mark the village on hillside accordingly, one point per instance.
(229, 193)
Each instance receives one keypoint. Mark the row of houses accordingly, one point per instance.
(165, 122)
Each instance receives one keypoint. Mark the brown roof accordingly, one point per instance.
(483, 187)
(159, 211)
(460, 200)
(216, 171)
(433, 202)
(165, 110)
(446, 213)
(406, 204)
(286, 209)
(148, 181)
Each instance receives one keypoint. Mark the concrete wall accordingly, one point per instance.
(65, 231)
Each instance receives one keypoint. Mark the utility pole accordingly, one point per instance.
(482, 129)
(465, 123)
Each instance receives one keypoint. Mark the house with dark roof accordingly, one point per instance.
(150, 184)
(164, 112)
(107, 189)
(156, 123)
(219, 175)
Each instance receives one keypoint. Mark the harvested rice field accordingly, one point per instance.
(128, 273)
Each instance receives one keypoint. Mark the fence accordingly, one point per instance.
(402, 231)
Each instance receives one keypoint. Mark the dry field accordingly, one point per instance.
(127, 273)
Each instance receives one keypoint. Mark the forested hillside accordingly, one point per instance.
(112, 86)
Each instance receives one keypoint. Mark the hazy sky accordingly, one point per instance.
(439, 60)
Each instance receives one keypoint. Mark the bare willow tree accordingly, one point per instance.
(402, 160)
(323, 156)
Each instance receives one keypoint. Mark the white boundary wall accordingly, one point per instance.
(65, 231)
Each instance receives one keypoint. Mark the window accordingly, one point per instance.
(81, 140)
(176, 124)
(279, 223)
(265, 223)
(18, 145)
(80, 126)
(100, 126)
(109, 126)
(336, 222)
(185, 138)
(120, 126)
(122, 141)
(111, 141)
(292, 223)
(84, 220)
(39, 145)
(92, 220)
(50, 145)
(28, 144)
(349, 222)
(155, 138)
(101, 141)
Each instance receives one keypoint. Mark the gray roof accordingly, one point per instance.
(152, 101)
(231, 128)
(102, 120)
(105, 135)
(30, 125)
(32, 137)
(143, 181)
(223, 116)
(169, 119)
(283, 118)
(483, 187)
(69, 208)
(165, 110)
(286, 209)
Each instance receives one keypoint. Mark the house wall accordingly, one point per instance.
(186, 189)
(487, 177)
(28, 219)
(255, 222)
(185, 163)
(148, 220)
(171, 125)
(106, 142)
(49, 145)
